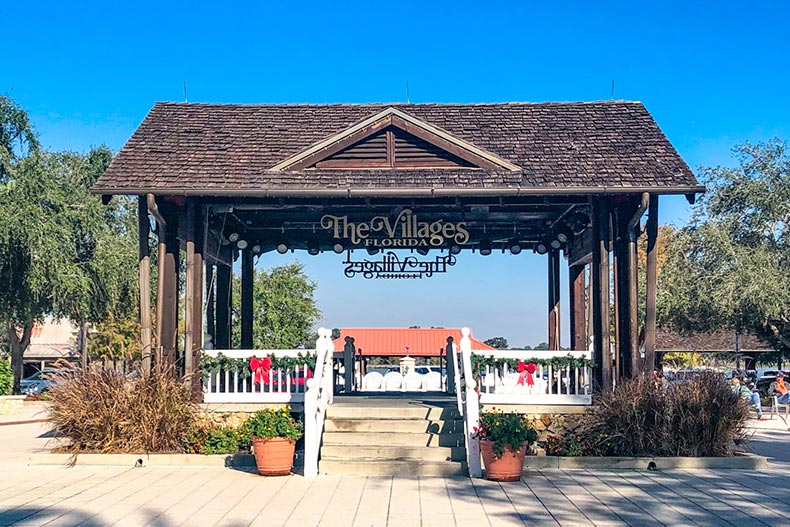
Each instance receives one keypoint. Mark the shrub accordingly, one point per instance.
(213, 440)
(502, 429)
(570, 445)
(271, 423)
(101, 410)
(6, 376)
(642, 417)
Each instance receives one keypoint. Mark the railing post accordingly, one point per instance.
(472, 409)
(310, 430)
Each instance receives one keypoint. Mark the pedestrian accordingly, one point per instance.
(779, 388)
(746, 393)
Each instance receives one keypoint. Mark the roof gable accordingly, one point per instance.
(389, 124)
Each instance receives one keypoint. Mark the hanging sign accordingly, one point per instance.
(405, 231)
(391, 267)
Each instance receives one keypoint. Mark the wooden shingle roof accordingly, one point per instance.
(560, 148)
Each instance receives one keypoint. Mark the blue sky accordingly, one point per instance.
(713, 74)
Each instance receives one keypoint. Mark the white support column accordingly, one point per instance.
(472, 409)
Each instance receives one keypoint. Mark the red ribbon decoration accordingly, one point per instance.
(525, 372)
(261, 369)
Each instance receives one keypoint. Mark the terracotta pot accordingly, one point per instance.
(506, 468)
(275, 456)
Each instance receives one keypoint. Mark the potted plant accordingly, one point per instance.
(504, 440)
(273, 433)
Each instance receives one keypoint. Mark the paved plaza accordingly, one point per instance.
(84, 495)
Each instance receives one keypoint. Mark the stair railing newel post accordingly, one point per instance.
(472, 408)
(314, 407)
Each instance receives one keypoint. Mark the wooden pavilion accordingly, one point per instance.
(228, 181)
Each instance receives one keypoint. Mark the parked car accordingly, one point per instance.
(37, 383)
(427, 369)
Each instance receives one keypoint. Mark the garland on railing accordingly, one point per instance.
(210, 365)
(480, 362)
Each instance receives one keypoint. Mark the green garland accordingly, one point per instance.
(480, 362)
(210, 365)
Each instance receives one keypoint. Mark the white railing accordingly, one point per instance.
(468, 404)
(564, 385)
(276, 385)
(317, 398)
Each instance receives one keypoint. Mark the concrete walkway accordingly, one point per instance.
(36, 495)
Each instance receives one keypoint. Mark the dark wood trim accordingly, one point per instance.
(341, 144)
(576, 291)
(651, 276)
(602, 370)
(247, 283)
(442, 143)
(554, 299)
(390, 148)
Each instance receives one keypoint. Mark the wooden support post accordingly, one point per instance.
(576, 304)
(189, 300)
(197, 304)
(651, 274)
(624, 348)
(602, 357)
(211, 327)
(224, 279)
(144, 284)
(554, 299)
(168, 285)
(616, 291)
(247, 277)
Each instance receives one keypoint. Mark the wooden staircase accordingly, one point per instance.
(396, 436)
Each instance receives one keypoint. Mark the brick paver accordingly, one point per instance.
(161, 496)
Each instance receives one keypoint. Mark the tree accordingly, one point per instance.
(729, 267)
(17, 137)
(499, 343)
(284, 309)
(61, 250)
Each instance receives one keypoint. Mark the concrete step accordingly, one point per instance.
(431, 413)
(391, 468)
(338, 424)
(392, 452)
(351, 439)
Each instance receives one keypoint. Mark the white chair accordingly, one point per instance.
(372, 381)
(433, 381)
(392, 381)
(413, 382)
(775, 406)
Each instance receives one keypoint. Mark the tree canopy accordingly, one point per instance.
(729, 267)
(62, 253)
(499, 343)
(284, 308)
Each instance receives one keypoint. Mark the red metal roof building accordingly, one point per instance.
(389, 342)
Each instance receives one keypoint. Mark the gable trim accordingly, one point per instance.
(394, 117)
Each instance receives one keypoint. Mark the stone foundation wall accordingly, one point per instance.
(233, 415)
(11, 404)
(553, 424)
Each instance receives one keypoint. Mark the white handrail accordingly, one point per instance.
(317, 398)
(472, 408)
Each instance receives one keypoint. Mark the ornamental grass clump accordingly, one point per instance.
(101, 410)
(642, 417)
(505, 429)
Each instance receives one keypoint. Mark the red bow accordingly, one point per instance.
(261, 368)
(525, 372)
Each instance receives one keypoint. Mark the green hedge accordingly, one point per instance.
(6, 376)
